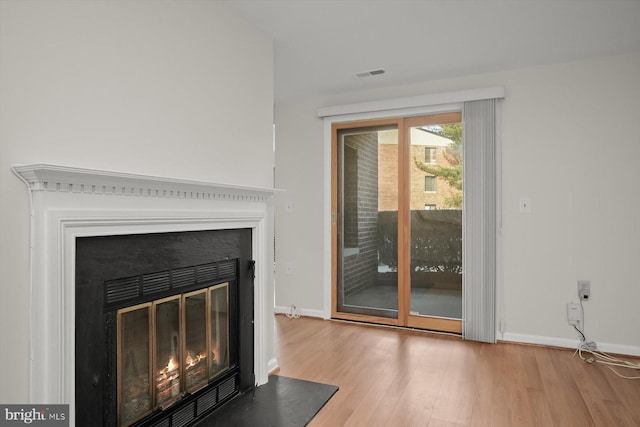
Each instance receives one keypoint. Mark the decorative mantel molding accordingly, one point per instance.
(67, 203)
(46, 177)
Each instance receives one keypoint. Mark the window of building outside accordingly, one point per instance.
(429, 207)
(430, 184)
(430, 155)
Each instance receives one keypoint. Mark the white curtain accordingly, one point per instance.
(479, 308)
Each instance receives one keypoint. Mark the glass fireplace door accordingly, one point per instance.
(134, 367)
(170, 347)
(195, 323)
(219, 312)
(167, 350)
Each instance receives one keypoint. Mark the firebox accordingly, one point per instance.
(170, 347)
(164, 326)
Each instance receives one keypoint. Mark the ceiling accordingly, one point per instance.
(320, 44)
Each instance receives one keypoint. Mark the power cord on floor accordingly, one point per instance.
(601, 357)
(609, 361)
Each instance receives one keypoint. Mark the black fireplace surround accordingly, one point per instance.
(114, 272)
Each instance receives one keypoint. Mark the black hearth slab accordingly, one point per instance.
(282, 402)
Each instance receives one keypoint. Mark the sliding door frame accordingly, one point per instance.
(404, 318)
(412, 320)
(414, 105)
(335, 128)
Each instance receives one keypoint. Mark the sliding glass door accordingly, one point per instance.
(397, 229)
(367, 202)
(435, 221)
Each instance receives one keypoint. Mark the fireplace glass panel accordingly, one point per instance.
(219, 356)
(170, 347)
(134, 370)
(195, 353)
(167, 350)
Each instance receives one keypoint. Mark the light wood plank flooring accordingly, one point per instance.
(394, 377)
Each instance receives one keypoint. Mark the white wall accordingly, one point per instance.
(571, 142)
(178, 89)
(299, 233)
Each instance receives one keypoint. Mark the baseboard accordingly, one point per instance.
(301, 311)
(569, 343)
(506, 336)
(272, 365)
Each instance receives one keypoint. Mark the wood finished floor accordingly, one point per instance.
(393, 377)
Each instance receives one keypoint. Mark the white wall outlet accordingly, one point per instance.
(525, 205)
(584, 290)
(288, 268)
(289, 206)
(574, 313)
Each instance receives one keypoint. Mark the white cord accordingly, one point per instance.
(609, 361)
(582, 328)
(603, 358)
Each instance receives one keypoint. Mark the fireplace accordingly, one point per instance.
(90, 299)
(164, 325)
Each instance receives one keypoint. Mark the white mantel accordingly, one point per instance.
(69, 202)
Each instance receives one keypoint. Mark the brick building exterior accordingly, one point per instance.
(426, 147)
(360, 220)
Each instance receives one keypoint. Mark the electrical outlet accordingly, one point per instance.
(584, 290)
(574, 313)
(525, 205)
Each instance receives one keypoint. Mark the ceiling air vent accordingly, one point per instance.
(370, 73)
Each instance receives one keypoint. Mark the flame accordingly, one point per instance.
(193, 361)
(172, 365)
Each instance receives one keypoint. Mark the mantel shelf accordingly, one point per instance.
(47, 177)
